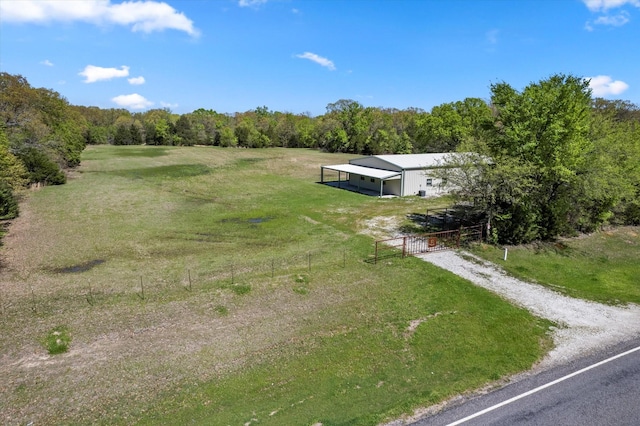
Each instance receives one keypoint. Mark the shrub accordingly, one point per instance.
(241, 289)
(632, 213)
(221, 309)
(40, 167)
(58, 340)
(8, 202)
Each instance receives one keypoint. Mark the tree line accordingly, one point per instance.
(550, 160)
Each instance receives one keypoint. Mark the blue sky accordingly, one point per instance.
(300, 55)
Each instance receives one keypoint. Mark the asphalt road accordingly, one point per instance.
(596, 390)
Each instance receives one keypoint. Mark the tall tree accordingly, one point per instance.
(539, 145)
(184, 134)
(13, 177)
(450, 124)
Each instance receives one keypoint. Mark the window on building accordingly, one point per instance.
(429, 182)
(373, 180)
(361, 177)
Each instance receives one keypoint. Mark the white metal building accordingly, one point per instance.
(400, 174)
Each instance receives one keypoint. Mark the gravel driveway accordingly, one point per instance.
(582, 326)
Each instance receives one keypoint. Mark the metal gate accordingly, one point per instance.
(426, 243)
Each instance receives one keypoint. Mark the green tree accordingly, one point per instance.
(8, 203)
(247, 134)
(353, 132)
(40, 167)
(123, 135)
(184, 134)
(12, 170)
(135, 129)
(163, 134)
(539, 146)
(228, 137)
(13, 176)
(450, 124)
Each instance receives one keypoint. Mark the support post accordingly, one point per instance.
(404, 246)
(375, 259)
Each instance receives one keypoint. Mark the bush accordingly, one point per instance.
(632, 213)
(58, 340)
(41, 168)
(8, 202)
(241, 289)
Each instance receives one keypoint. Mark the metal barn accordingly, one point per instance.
(399, 174)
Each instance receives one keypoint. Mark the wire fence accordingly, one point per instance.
(237, 276)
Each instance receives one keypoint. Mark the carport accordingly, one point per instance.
(351, 169)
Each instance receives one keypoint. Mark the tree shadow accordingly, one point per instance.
(443, 219)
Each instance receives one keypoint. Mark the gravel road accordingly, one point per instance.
(582, 326)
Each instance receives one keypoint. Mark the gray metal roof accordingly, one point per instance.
(416, 161)
(364, 171)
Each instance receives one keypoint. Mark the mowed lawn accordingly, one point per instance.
(603, 267)
(226, 286)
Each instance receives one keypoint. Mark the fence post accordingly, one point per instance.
(375, 258)
(33, 298)
(404, 246)
(142, 287)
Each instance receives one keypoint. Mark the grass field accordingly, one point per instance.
(225, 286)
(603, 267)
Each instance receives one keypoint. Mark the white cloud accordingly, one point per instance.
(615, 21)
(604, 85)
(492, 36)
(47, 63)
(136, 80)
(93, 73)
(146, 16)
(168, 105)
(133, 101)
(251, 3)
(604, 5)
(317, 59)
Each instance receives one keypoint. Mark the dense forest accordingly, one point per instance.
(547, 161)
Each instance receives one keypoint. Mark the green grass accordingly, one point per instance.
(260, 300)
(58, 340)
(602, 267)
(366, 367)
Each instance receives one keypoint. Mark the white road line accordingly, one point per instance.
(532, 391)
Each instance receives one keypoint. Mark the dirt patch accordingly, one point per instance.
(381, 227)
(308, 219)
(82, 267)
